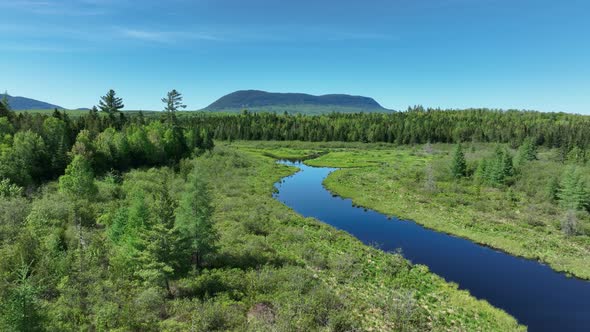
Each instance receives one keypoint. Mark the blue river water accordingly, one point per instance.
(533, 293)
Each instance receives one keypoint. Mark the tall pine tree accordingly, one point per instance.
(173, 101)
(110, 103)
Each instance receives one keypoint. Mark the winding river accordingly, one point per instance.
(537, 296)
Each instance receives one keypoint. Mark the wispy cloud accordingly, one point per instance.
(292, 33)
(361, 36)
(143, 35)
(165, 36)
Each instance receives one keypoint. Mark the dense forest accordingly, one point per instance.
(414, 126)
(37, 148)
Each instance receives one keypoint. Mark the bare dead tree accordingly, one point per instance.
(429, 179)
(569, 224)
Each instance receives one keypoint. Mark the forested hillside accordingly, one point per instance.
(262, 100)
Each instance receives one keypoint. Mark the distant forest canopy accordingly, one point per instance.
(414, 126)
(122, 141)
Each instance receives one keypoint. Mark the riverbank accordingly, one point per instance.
(519, 219)
(370, 280)
(507, 219)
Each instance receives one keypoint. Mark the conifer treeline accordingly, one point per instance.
(415, 126)
(36, 147)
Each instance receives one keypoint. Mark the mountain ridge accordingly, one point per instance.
(259, 100)
(18, 103)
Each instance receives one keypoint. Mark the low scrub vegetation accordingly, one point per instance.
(205, 247)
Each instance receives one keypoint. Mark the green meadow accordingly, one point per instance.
(519, 217)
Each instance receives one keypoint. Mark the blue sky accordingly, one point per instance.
(525, 54)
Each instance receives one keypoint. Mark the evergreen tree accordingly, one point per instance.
(121, 121)
(173, 101)
(174, 143)
(552, 189)
(526, 152)
(93, 111)
(495, 170)
(576, 155)
(164, 245)
(4, 100)
(56, 114)
(20, 310)
(138, 220)
(92, 121)
(5, 110)
(207, 140)
(506, 165)
(459, 165)
(193, 220)
(573, 194)
(110, 103)
(561, 153)
(500, 167)
(56, 137)
(482, 172)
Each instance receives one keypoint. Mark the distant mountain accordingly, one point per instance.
(22, 103)
(255, 100)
